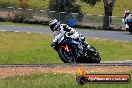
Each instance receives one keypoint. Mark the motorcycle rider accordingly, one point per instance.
(126, 17)
(126, 13)
(63, 29)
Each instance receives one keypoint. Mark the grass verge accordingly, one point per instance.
(52, 81)
(21, 24)
(24, 48)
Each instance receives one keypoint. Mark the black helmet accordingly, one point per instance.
(54, 24)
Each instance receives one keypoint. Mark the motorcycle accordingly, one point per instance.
(128, 23)
(68, 50)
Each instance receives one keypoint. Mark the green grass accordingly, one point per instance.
(35, 4)
(113, 50)
(52, 81)
(119, 8)
(24, 48)
(21, 24)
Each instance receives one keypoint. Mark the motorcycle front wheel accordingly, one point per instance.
(66, 56)
(130, 28)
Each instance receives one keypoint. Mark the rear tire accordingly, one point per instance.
(94, 56)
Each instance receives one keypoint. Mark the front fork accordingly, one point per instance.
(66, 48)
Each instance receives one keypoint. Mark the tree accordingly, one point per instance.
(64, 5)
(108, 9)
(91, 2)
(67, 6)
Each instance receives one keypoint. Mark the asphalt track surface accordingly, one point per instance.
(112, 35)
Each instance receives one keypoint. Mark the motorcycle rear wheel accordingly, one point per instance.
(94, 56)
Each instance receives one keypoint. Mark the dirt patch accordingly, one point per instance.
(14, 71)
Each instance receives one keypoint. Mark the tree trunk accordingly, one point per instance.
(108, 8)
(106, 24)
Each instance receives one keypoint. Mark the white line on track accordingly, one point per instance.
(16, 31)
(28, 32)
(124, 61)
(2, 30)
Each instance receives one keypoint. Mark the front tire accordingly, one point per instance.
(130, 29)
(66, 56)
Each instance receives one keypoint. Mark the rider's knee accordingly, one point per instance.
(54, 45)
(82, 37)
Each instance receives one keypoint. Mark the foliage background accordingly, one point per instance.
(120, 6)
